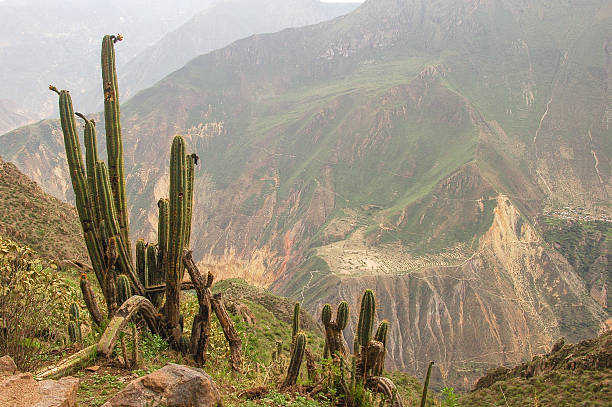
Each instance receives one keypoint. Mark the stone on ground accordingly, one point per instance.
(171, 386)
(21, 390)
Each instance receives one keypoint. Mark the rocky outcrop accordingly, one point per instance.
(591, 354)
(171, 386)
(21, 390)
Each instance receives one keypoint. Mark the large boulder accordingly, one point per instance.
(171, 386)
(21, 390)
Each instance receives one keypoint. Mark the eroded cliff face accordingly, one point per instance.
(506, 303)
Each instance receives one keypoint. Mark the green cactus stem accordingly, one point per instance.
(297, 355)
(326, 314)
(114, 144)
(426, 384)
(296, 320)
(190, 161)
(366, 318)
(124, 289)
(78, 176)
(74, 331)
(141, 261)
(176, 239)
(75, 312)
(334, 341)
(342, 315)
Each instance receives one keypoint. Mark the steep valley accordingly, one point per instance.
(410, 146)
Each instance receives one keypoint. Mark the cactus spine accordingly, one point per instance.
(297, 355)
(296, 320)
(124, 289)
(366, 318)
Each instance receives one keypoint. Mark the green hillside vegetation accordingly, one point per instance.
(33, 218)
(570, 375)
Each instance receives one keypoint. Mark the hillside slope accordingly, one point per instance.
(31, 217)
(578, 374)
(409, 146)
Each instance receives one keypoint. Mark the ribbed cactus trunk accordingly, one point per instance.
(176, 233)
(114, 144)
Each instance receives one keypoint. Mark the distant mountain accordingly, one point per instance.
(44, 41)
(411, 146)
(216, 27)
(31, 217)
(13, 116)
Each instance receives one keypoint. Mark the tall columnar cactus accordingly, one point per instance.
(296, 320)
(297, 355)
(176, 234)
(124, 289)
(101, 204)
(366, 318)
(114, 144)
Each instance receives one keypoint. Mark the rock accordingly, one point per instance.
(171, 386)
(7, 366)
(22, 390)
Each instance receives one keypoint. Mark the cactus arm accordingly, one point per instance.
(190, 160)
(91, 158)
(163, 229)
(124, 289)
(112, 225)
(141, 261)
(79, 184)
(366, 318)
(114, 145)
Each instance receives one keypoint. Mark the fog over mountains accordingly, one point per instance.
(56, 41)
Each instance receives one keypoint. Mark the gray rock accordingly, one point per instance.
(171, 386)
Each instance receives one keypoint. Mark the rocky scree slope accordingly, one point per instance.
(409, 147)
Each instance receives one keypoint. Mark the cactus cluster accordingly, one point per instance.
(101, 204)
(334, 342)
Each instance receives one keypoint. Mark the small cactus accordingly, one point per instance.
(297, 355)
(75, 312)
(74, 331)
(124, 289)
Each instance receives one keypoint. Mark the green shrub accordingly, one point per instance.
(34, 304)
